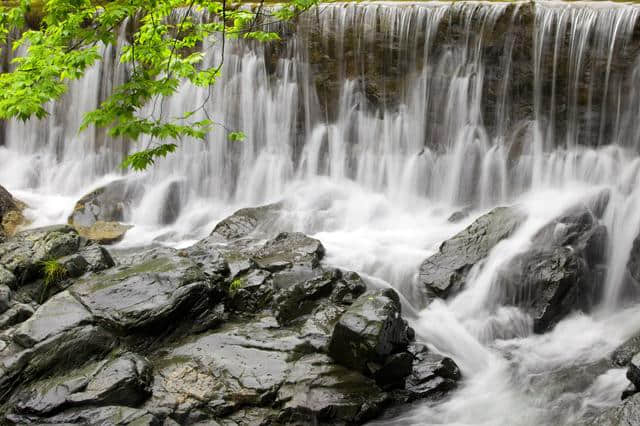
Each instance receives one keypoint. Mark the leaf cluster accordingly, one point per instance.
(162, 53)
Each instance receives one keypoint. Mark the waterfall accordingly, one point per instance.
(375, 121)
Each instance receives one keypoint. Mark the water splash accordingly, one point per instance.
(375, 121)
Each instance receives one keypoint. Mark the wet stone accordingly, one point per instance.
(369, 331)
(60, 313)
(146, 293)
(445, 272)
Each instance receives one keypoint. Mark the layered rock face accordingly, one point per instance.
(232, 329)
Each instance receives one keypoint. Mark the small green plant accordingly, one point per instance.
(54, 272)
(236, 285)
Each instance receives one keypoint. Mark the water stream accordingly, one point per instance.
(375, 122)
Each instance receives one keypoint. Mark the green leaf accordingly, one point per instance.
(236, 136)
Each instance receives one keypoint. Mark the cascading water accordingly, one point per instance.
(374, 122)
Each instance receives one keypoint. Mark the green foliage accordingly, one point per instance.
(162, 50)
(54, 272)
(236, 285)
(236, 136)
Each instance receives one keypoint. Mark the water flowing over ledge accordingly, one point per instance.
(375, 121)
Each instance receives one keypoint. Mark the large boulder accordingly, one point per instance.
(11, 216)
(109, 203)
(445, 272)
(370, 335)
(147, 294)
(245, 221)
(98, 215)
(561, 273)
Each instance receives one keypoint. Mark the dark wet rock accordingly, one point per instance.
(207, 255)
(348, 288)
(393, 372)
(633, 372)
(49, 395)
(62, 312)
(6, 277)
(549, 285)
(5, 298)
(148, 293)
(459, 215)
(255, 416)
(23, 255)
(239, 263)
(289, 249)
(251, 292)
(172, 203)
(11, 216)
(445, 272)
(125, 380)
(108, 415)
(67, 348)
(248, 345)
(626, 414)
(317, 390)
(109, 203)
(622, 355)
(561, 273)
(92, 258)
(431, 376)
(316, 328)
(633, 265)
(98, 258)
(631, 288)
(629, 391)
(301, 298)
(369, 331)
(17, 313)
(245, 221)
(238, 365)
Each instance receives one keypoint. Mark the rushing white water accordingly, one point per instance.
(375, 122)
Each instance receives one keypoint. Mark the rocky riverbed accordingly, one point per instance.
(251, 325)
(234, 329)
